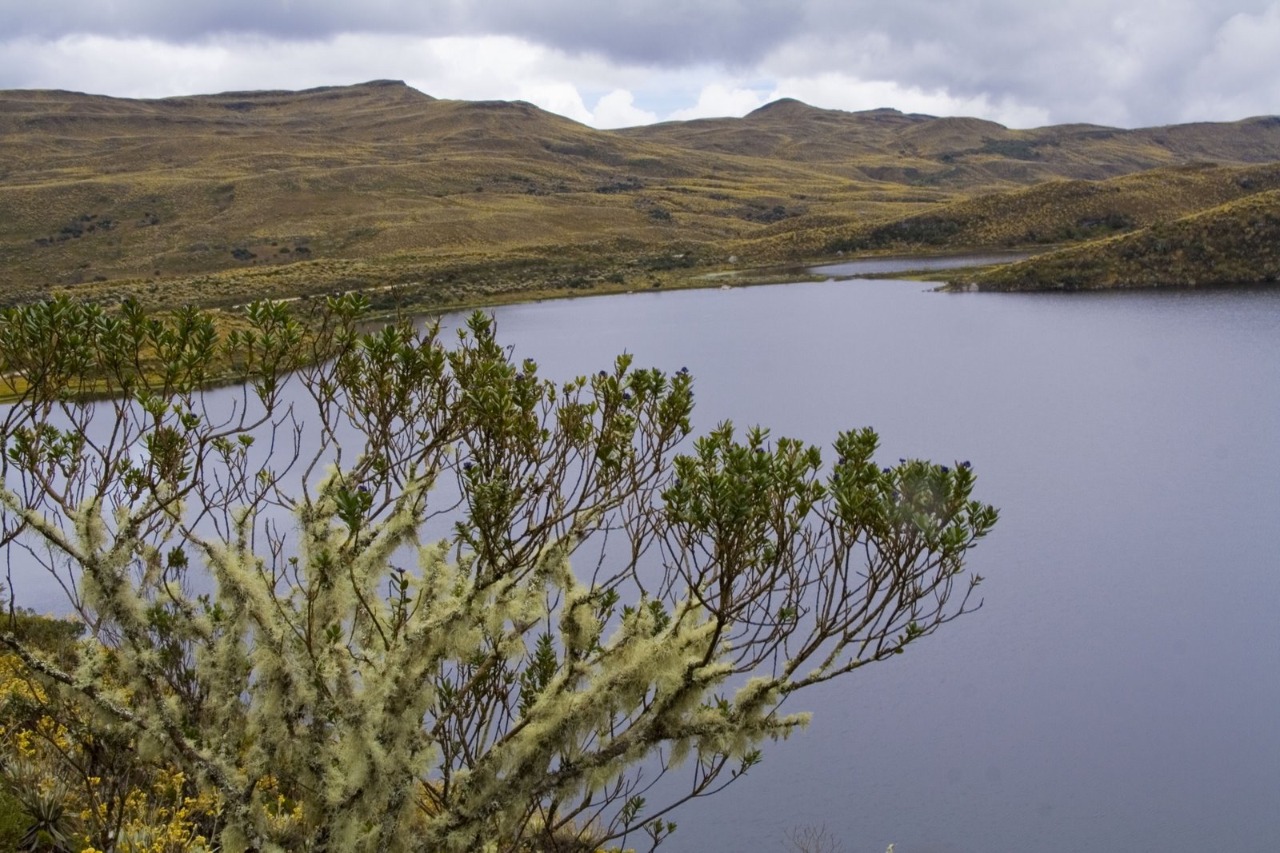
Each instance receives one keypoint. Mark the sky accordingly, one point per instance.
(616, 63)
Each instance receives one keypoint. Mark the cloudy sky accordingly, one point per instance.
(613, 63)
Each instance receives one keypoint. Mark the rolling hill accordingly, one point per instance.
(1045, 214)
(1232, 244)
(925, 150)
(221, 198)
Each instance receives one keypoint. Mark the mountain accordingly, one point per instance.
(221, 198)
(885, 144)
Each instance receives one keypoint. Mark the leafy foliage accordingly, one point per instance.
(393, 594)
(71, 781)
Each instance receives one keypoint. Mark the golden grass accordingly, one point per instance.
(222, 199)
(1234, 243)
(1054, 212)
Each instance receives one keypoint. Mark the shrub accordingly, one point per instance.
(480, 610)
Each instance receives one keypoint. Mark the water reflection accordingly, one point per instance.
(1118, 690)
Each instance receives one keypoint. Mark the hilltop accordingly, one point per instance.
(922, 150)
(220, 198)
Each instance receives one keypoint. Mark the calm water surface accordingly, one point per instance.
(1120, 689)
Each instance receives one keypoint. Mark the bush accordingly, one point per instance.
(480, 610)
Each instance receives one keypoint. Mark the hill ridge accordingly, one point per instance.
(296, 187)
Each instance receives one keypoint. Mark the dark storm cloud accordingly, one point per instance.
(644, 31)
(1136, 62)
(1117, 61)
(732, 32)
(193, 20)
(933, 41)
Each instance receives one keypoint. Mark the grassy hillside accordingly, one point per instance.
(95, 189)
(1061, 211)
(1042, 216)
(920, 150)
(216, 198)
(1236, 243)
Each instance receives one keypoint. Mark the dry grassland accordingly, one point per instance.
(425, 203)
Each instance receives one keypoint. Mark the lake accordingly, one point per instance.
(1120, 688)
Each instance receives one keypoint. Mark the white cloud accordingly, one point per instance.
(618, 109)
(722, 99)
(475, 68)
(1238, 77)
(1122, 62)
(557, 97)
(479, 68)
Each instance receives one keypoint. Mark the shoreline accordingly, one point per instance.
(778, 274)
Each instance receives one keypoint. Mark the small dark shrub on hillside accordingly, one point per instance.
(767, 215)
(919, 230)
(1109, 222)
(1014, 149)
(1086, 228)
(622, 186)
(668, 262)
